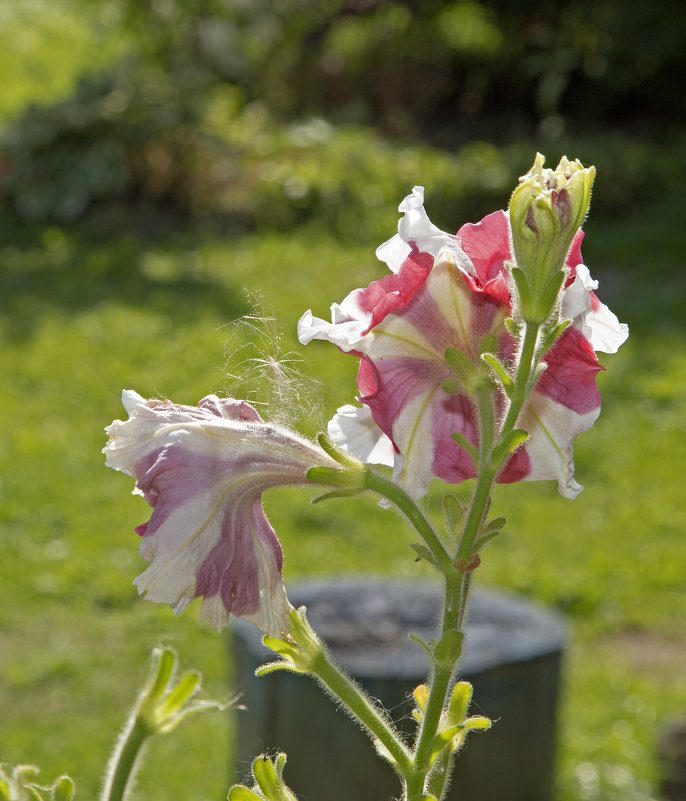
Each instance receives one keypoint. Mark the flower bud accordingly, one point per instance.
(546, 211)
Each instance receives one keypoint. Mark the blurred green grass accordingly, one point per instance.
(82, 318)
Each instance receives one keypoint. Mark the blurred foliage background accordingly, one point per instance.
(158, 156)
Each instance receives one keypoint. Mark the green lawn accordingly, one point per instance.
(81, 318)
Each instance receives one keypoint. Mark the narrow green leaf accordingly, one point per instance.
(509, 445)
(449, 648)
(452, 387)
(463, 442)
(454, 512)
(422, 644)
(336, 453)
(460, 699)
(479, 542)
(4, 790)
(63, 789)
(163, 663)
(494, 363)
(489, 344)
(189, 711)
(241, 793)
(546, 303)
(341, 493)
(496, 524)
(512, 326)
(266, 777)
(478, 722)
(284, 648)
(343, 478)
(271, 667)
(280, 764)
(523, 293)
(424, 553)
(551, 336)
(183, 691)
(460, 363)
(442, 739)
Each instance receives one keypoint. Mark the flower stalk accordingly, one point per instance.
(161, 706)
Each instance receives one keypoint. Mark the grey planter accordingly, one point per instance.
(512, 657)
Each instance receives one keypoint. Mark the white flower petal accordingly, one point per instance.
(348, 323)
(595, 321)
(354, 431)
(552, 428)
(415, 226)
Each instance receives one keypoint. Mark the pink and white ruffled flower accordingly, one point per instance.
(449, 291)
(203, 469)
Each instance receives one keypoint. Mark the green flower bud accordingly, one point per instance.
(546, 210)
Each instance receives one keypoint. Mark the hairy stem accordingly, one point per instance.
(122, 767)
(355, 699)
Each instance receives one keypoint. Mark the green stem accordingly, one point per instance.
(440, 683)
(353, 697)
(458, 579)
(414, 514)
(123, 763)
(526, 370)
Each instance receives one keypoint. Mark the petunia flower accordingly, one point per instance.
(203, 469)
(451, 291)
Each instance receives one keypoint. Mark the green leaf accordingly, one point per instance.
(508, 446)
(280, 764)
(550, 337)
(164, 660)
(463, 442)
(63, 789)
(496, 524)
(460, 363)
(267, 778)
(424, 552)
(454, 512)
(4, 790)
(241, 793)
(422, 644)
(341, 493)
(271, 667)
(449, 648)
(173, 703)
(284, 648)
(452, 387)
(489, 344)
(336, 453)
(343, 478)
(494, 363)
(460, 699)
(523, 293)
(546, 303)
(478, 722)
(442, 739)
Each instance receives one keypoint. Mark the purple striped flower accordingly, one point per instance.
(448, 291)
(203, 469)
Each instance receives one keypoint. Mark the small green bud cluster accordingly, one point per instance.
(269, 784)
(546, 210)
(19, 784)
